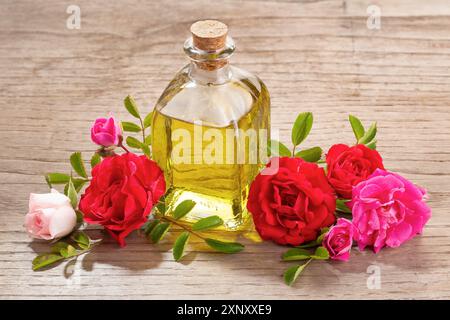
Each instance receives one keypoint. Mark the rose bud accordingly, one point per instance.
(347, 166)
(387, 210)
(50, 216)
(339, 239)
(106, 132)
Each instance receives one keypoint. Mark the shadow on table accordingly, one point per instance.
(138, 255)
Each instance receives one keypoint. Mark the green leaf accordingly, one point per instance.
(68, 252)
(321, 253)
(341, 206)
(159, 231)
(82, 239)
(310, 155)
(131, 106)
(148, 140)
(180, 245)
(372, 145)
(44, 260)
(57, 247)
(72, 194)
(134, 143)
(292, 273)
(183, 209)
(57, 178)
(77, 183)
(130, 127)
(369, 135)
(150, 225)
(80, 216)
(277, 148)
(225, 247)
(77, 164)
(296, 254)
(207, 223)
(95, 160)
(323, 233)
(148, 120)
(358, 128)
(146, 150)
(302, 127)
(307, 245)
(161, 205)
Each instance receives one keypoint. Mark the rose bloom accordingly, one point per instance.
(122, 192)
(387, 210)
(347, 166)
(50, 216)
(106, 132)
(339, 239)
(292, 205)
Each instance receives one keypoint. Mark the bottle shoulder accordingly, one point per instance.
(218, 105)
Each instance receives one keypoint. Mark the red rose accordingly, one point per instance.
(292, 205)
(347, 166)
(122, 192)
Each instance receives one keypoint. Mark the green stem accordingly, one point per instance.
(293, 151)
(307, 262)
(143, 130)
(175, 222)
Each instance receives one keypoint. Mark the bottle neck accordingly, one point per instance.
(209, 67)
(203, 75)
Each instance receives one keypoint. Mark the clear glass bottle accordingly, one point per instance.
(208, 125)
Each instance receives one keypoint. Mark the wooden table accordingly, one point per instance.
(315, 56)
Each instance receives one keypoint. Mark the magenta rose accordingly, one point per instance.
(338, 241)
(387, 210)
(106, 132)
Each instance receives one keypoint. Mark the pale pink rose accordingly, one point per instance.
(50, 216)
(387, 210)
(339, 239)
(106, 132)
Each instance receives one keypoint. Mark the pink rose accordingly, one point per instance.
(387, 210)
(50, 216)
(338, 241)
(106, 132)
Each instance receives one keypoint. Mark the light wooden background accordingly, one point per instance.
(313, 55)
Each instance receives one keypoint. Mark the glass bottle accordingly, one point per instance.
(210, 129)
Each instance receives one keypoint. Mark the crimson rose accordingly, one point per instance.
(292, 205)
(121, 194)
(347, 166)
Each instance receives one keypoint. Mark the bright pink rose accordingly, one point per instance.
(387, 210)
(106, 132)
(50, 216)
(338, 241)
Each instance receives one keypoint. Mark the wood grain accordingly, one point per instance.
(313, 55)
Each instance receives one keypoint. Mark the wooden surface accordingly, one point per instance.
(313, 55)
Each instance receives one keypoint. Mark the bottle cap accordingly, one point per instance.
(209, 35)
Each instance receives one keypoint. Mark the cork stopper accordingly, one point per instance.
(209, 35)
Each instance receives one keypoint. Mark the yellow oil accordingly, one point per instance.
(211, 165)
